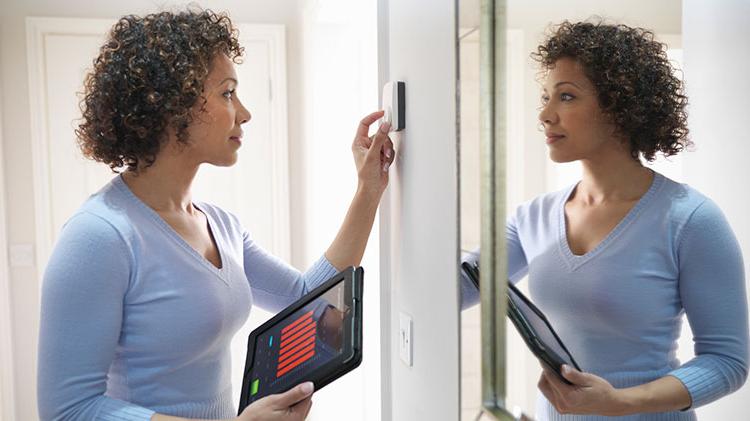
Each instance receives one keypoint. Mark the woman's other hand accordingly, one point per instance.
(293, 405)
(589, 394)
(373, 155)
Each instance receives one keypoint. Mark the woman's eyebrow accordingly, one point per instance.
(230, 79)
(564, 82)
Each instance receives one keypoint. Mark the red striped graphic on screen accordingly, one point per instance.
(297, 344)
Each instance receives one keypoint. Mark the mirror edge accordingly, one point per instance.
(493, 260)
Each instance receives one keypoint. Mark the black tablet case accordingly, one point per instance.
(528, 332)
(339, 365)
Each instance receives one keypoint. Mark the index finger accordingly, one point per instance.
(365, 123)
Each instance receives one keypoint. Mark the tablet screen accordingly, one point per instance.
(298, 344)
(541, 327)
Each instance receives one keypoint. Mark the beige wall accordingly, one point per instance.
(23, 282)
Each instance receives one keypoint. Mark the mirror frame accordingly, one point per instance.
(493, 259)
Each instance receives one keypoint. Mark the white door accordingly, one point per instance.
(255, 189)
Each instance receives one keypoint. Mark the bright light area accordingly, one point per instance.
(340, 87)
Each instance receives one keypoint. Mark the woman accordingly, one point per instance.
(146, 287)
(616, 259)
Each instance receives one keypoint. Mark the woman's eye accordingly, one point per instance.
(566, 97)
(544, 99)
(228, 94)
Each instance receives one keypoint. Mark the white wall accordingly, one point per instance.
(716, 59)
(419, 251)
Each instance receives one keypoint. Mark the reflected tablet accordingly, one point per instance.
(538, 334)
(533, 327)
(318, 338)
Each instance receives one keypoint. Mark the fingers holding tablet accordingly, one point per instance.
(292, 405)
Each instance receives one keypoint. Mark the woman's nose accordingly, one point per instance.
(244, 115)
(546, 115)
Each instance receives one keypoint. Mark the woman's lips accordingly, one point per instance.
(553, 138)
(236, 139)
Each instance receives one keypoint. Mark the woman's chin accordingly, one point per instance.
(224, 162)
(559, 158)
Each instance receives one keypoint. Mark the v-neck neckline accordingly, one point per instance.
(222, 272)
(574, 261)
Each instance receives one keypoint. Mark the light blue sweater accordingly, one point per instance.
(135, 321)
(619, 307)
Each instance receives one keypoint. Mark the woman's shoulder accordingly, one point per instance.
(688, 208)
(90, 235)
(544, 203)
(112, 210)
(683, 200)
(680, 194)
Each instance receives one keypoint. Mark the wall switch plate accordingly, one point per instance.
(405, 338)
(394, 105)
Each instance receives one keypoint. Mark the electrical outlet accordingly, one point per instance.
(405, 339)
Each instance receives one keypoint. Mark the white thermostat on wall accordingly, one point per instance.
(394, 105)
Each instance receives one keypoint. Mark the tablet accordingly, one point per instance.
(318, 338)
(533, 327)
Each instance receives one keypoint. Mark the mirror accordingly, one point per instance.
(503, 155)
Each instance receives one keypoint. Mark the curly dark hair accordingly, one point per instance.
(634, 81)
(148, 75)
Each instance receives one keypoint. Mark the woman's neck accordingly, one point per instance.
(618, 179)
(165, 186)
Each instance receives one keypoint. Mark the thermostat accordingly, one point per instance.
(394, 105)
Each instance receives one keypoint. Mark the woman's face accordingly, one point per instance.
(215, 134)
(575, 127)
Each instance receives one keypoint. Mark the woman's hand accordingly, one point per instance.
(292, 405)
(589, 394)
(373, 155)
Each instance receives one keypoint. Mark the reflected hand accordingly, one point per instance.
(373, 155)
(292, 405)
(589, 394)
(330, 326)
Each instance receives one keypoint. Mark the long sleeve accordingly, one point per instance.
(276, 284)
(82, 304)
(712, 290)
(517, 265)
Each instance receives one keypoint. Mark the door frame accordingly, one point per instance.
(37, 29)
(7, 395)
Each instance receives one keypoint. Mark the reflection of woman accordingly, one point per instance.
(146, 287)
(616, 259)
